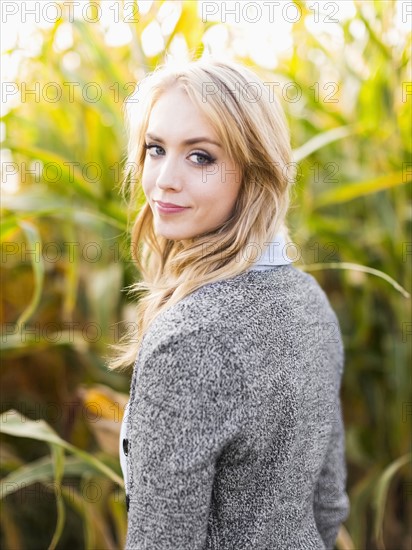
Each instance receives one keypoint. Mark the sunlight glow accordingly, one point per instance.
(152, 39)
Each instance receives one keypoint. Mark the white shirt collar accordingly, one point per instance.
(273, 254)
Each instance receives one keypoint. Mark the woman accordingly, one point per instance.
(233, 437)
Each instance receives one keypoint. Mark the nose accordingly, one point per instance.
(169, 176)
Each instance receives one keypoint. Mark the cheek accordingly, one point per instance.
(143, 183)
(146, 179)
(227, 186)
(222, 186)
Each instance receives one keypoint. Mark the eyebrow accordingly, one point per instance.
(190, 141)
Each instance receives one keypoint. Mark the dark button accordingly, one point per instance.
(127, 502)
(126, 446)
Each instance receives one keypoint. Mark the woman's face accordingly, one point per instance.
(186, 166)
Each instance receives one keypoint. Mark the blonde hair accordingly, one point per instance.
(253, 130)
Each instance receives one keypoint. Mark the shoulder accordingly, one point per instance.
(311, 291)
(188, 363)
(212, 316)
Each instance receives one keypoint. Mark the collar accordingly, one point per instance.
(274, 253)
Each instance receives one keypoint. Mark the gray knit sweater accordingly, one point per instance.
(235, 437)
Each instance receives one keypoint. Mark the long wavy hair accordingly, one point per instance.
(252, 127)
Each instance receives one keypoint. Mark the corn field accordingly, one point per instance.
(66, 260)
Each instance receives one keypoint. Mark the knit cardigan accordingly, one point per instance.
(235, 437)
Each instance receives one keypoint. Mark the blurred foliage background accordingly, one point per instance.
(343, 72)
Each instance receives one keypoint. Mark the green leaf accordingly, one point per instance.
(14, 345)
(14, 423)
(95, 529)
(321, 140)
(356, 267)
(58, 462)
(71, 177)
(8, 226)
(34, 243)
(39, 201)
(381, 492)
(34, 199)
(352, 191)
(41, 471)
(72, 268)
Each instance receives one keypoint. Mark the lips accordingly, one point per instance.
(170, 205)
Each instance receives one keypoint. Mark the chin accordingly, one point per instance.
(173, 235)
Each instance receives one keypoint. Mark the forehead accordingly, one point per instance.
(175, 113)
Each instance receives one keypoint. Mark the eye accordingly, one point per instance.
(203, 158)
(154, 149)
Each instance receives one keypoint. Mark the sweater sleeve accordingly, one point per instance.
(183, 413)
(331, 502)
